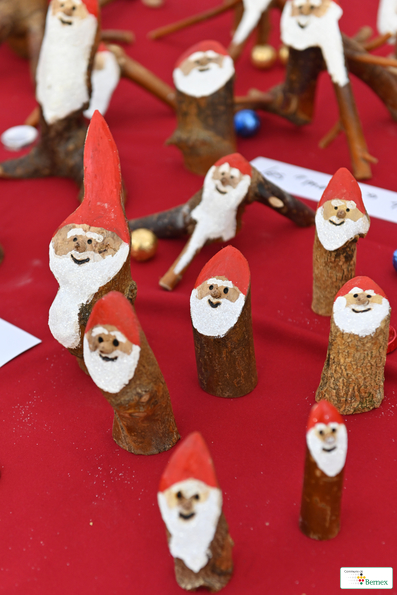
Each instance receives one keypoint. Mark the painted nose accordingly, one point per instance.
(80, 246)
(106, 348)
(362, 300)
(68, 10)
(225, 181)
(305, 10)
(341, 214)
(215, 293)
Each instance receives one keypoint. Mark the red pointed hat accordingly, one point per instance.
(238, 161)
(102, 47)
(364, 283)
(343, 186)
(229, 263)
(323, 412)
(202, 46)
(115, 309)
(92, 6)
(101, 206)
(191, 460)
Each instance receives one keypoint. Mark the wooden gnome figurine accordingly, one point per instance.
(204, 78)
(341, 219)
(353, 374)
(387, 19)
(63, 90)
(220, 308)
(90, 251)
(215, 212)
(121, 363)
(326, 449)
(254, 11)
(190, 502)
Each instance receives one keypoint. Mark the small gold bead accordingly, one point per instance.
(143, 244)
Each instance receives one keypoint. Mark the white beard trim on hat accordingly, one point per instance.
(215, 216)
(104, 81)
(253, 10)
(332, 236)
(362, 323)
(387, 18)
(322, 32)
(190, 540)
(62, 69)
(215, 322)
(202, 84)
(330, 454)
(111, 376)
(77, 286)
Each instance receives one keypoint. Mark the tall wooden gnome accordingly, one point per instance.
(204, 78)
(190, 502)
(220, 308)
(254, 11)
(341, 219)
(63, 89)
(387, 18)
(121, 363)
(326, 449)
(89, 253)
(353, 374)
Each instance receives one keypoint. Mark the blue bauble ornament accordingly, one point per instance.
(246, 123)
(395, 259)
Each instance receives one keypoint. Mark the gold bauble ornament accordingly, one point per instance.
(143, 244)
(283, 54)
(263, 56)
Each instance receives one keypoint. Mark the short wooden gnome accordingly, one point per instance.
(215, 212)
(220, 308)
(204, 77)
(89, 253)
(326, 449)
(341, 219)
(190, 503)
(121, 363)
(387, 18)
(63, 89)
(353, 374)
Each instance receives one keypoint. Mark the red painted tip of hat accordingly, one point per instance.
(392, 342)
(102, 47)
(115, 309)
(343, 186)
(229, 263)
(323, 413)
(92, 7)
(190, 460)
(363, 283)
(101, 206)
(238, 161)
(203, 46)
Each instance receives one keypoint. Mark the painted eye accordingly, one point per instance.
(89, 241)
(368, 296)
(333, 430)
(211, 287)
(179, 495)
(115, 343)
(321, 432)
(336, 208)
(226, 290)
(355, 295)
(196, 497)
(100, 339)
(347, 210)
(74, 8)
(75, 239)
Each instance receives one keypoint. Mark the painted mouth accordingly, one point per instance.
(66, 22)
(220, 191)
(214, 304)
(186, 517)
(301, 26)
(361, 311)
(203, 69)
(329, 449)
(107, 358)
(337, 224)
(79, 261)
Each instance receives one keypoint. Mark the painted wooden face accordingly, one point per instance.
(201, 62)
(186, 501)
(362, 301)
(85, 243)
(216, 292)
(69, 11)
(226, 178)
(338, 211)
(308, 8)
(107, 339)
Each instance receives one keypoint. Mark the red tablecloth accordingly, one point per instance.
(78, 514)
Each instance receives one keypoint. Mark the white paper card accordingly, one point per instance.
(310, 184)
(14, 341)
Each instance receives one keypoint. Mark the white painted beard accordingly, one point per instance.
(332, 236)
(331, 463)
(111, 376)
(104, 82)
(215, 216)
(190, 540)
(253, 10)
(62, 69)
(387, 18)
(362, 324)
(215, 322)
(322, 32)
(202, 84)
(77, 286)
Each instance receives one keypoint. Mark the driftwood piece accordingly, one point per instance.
(223, 339)
(326, 448)
(353, 374)
(189, 490)
(143, 418)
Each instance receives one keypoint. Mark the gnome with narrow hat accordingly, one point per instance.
(121, 363)
(326, 449)
(220, 308)
(341, 219)
(353, 374)
(214, 213)
(89, 253)
(63, 89)
(204, 78)
(190, 502)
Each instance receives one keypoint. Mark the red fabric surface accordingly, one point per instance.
(79, 514)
